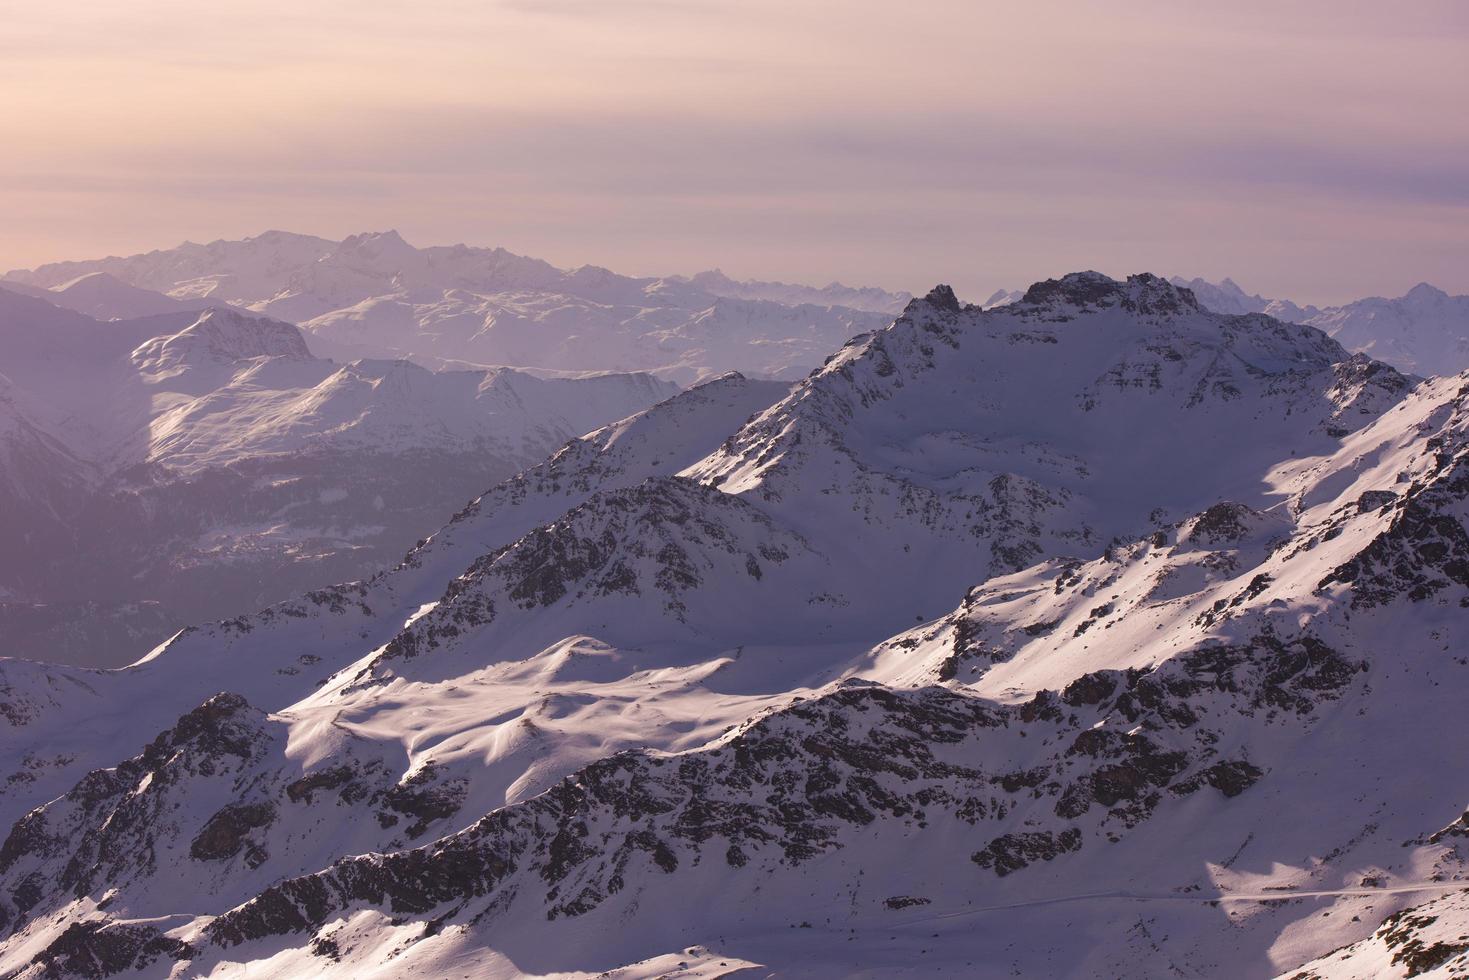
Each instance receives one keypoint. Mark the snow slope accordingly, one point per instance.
(997, 646)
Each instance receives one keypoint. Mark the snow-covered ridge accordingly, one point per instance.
(1425, 331)
(1024, 622)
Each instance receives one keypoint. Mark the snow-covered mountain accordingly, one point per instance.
(376, 296)
(105, 297)
(999, 645)
(1002, 297)
(1425, 331)
(867, 298)
(172, 468)
(1225, 296)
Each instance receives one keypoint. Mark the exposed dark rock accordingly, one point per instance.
(305, 788)
(104, 829)
(95, 950)
(1423, 551)
(942, 297)
(1144, 293)
(1012, 852)
(1229, 778)
(1399, 934)
(228, 831)
(1221, 523)
(425, 798)
(1090, 688)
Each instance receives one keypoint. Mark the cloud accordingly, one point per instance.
(824, 139)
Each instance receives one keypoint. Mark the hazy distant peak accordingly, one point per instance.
(92, 280)
(870, 298)
(222, 335)
(381, 240)
(1424, 292)
(1002, 297)
(278, 235)
(1225, 296)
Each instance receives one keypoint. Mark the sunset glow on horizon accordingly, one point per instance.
(1311, 149)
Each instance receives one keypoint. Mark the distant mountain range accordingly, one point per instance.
(1425, 331)
(105, 297)
(374, 295)
(186, 465)
(1096, 633)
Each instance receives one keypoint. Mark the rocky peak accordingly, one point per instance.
(942, 297)
(1142, 293)
(1075, 289)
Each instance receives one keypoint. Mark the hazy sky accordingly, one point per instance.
(1312, 148)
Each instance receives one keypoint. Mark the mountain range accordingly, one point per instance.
(374, 295)
(1000, 644)
(1425, 331)
(196, 463)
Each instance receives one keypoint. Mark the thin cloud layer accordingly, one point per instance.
(1308, 149)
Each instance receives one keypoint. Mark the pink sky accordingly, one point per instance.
(1310, 149)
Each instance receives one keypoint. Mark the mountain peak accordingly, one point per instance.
(1002, 297)
(222, 334)
(1144, 293)
(377, 243)
(1075, 289)
(94, 280)
(942, 297)
(389, 235)
(1425, 292)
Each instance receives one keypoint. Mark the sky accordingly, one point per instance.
(1313, 149)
